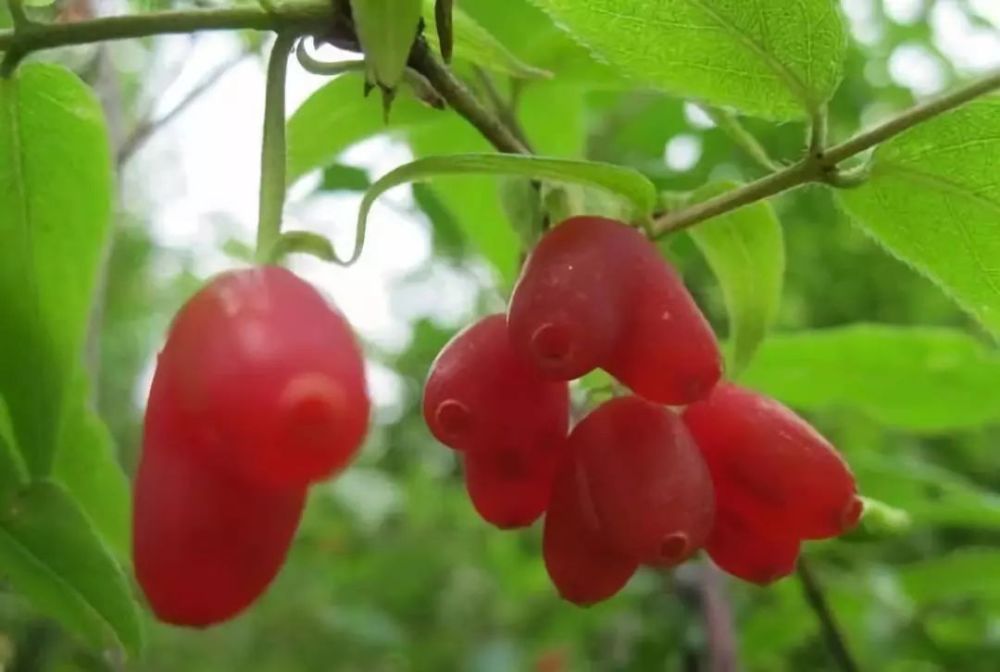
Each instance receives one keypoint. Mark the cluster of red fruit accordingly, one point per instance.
(258, 392)
(635, 482)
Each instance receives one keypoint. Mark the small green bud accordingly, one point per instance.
(387, 30)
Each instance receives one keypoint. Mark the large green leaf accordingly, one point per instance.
(769, 58)
(55, 209)
(85, 464)
(965, 573)
(337, 116)
(929, 494)
(934, 201)
(50, 553)
(532, 35)
(746, 250)
(917, 379)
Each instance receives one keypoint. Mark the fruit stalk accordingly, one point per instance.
(273, 156)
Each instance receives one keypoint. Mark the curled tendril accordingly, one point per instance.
(422, 88)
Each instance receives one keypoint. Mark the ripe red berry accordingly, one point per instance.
(752, 552)
(771, 466)
(596, 293)
(482, 398)
(206, 542)
(584, 568)
(509, 489)
(566, 313)
(269, 377)
(651, 492)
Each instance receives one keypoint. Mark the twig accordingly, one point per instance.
(463, 101)
(794, 176)
(835, 640)
(823, 167)
(146, 128)
(22, 40)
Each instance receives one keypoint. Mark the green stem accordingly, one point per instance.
(794, 176)
(273, 157)
(812, 590)
(464, 102)
(729, 124)
(25, 39)
(912, 117)
(823, 167)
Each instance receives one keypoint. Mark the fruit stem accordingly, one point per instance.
(273, 158)
(729, 123)
(835, 640)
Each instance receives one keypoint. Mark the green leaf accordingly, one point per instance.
(746, 251)
(932, 496)
(86, 465)
(933, 200)
(767, 58)
(475, 44)
(627, 183)
(13, 472)
(50, 553)
(474, 201)
(918, 379)
(337, 116)
(965, 573)
(55, 196)
(341, 177)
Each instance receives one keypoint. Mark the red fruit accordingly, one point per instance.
(651, 492)
(483, 399)
(752, 552)
(509, 490)
(269, 378)
(770, 465)
(566, 313)
(583, 566)
(206, 542)
(596, 293)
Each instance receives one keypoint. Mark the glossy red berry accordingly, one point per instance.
(769, 465)
(584, 568)
(566, 313)
(485, 400)
(206, 542)
(651, 492)
(750, 551)
(509, 489)
(596, 293)
(269, 377)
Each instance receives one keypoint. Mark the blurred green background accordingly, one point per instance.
(392, 570)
